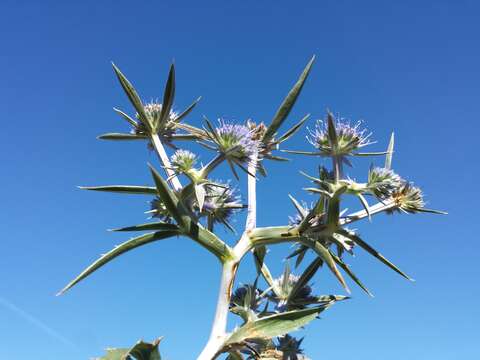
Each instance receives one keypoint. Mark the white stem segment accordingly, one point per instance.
(162, 154)
(229, 271)
(219, 327)
(252, 197)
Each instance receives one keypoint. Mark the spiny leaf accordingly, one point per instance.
(160, 225)
(287, 103)
(121, 136)
(332, 132)
(123, 189)
(168, 97)
(200, 195)
(323, 252)
(289, 133)
(132, 95)
(187, 110)
(169, 199)
(306, 277)
(119, 250)
(126, 117)
(388, 158)
(372, 251)
(350, 273)
(275, 325)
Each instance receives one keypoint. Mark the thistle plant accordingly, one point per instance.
(269, 308)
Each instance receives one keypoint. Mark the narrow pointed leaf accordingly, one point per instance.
(306, 276)
(160, 225)
(119, 250)
(289, 133)
(170, 200)
(388, 158)
(126, 117)
(132, 95)
(372, 252)
(168, 97)
(332, 132)
(350, 273)
(365, 205)
(287, 103)
(121, 136)
(123, 189)
(323, 252)
(188, 110)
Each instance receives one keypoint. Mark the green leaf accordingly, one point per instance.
(126, 117)
(132, 95)
(141, 351)
(323, 252)
(372, 251)
(169, 199)
(365, 205)
(306, 277)
(168, 97)
(187, 110)
(119, 250)
(160, 225)
(275, 325)
(121, 136)
(289, 133)
(388, 158)
(332, 132)
(146, 351)
(123, 189)
(287, 103)
(350, 273)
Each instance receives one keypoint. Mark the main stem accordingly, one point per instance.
(229, 270)
(162, 154)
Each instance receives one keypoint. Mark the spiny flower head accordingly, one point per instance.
(408, 198)
(183, 160)
(153, 110)
(349, 137)
(221, 202)
(236, 142)
(290, 348)
(383, 182)
(285, 284)
(159, 210)
(247, 297)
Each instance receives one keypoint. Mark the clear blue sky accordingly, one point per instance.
(408, 66)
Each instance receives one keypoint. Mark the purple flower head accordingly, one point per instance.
(290, 348)
(349, 137)
(236, 141)
(221, 202)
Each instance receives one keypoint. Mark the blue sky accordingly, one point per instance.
(408, 66)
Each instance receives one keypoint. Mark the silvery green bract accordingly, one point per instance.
(187, 201)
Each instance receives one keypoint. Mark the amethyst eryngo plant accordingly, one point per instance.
(196, 208)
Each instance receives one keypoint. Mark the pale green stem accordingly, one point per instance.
(162, 154)
(229, 271)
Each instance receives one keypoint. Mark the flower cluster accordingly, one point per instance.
(236, 142)
(383, 182)
(183, 161)
(153, 111)
(349, 138)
